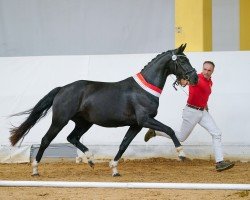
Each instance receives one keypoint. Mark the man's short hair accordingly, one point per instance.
(209, 62)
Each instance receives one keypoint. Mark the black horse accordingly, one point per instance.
(131, 102)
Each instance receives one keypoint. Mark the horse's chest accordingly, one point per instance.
(150, 106)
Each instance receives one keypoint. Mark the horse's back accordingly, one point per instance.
(109, 104)
(90, 97)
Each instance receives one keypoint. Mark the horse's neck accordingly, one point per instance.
(156, 77)
(156, 71)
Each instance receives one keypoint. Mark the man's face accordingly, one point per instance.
(207, 70)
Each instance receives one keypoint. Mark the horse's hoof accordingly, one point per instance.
(116, 175)
(182, 158)
(91, 164)
(34, 175)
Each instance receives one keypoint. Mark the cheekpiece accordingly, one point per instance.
(174, 57)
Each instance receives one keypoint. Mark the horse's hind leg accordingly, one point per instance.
(156, 125)
(74, 138)
(54, 129)
(130, 135)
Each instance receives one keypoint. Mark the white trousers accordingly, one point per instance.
(191, 117)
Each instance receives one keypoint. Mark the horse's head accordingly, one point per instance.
(181, 67)
(170, 62)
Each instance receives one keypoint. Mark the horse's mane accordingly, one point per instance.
(159, 56)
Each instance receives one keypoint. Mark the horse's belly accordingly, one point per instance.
(110, 118)
(108, 121)
(114, 124)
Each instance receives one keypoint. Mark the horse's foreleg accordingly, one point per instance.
(158, 126)
(74, 138)
(130, 135)
(46, 140)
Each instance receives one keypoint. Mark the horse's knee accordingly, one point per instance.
(72, 140)
(45, 142)
(69, 139)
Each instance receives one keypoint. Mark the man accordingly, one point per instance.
(196, 112)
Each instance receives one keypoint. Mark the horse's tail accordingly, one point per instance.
(35, 114)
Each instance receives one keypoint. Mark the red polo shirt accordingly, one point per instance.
(199, 94)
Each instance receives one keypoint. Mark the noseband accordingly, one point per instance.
(177, 64)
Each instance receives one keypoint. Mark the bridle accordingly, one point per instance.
(177, 64)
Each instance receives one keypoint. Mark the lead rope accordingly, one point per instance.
(176, 84)
(174, 58)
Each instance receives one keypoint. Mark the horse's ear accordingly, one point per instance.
(184, 47)
(179, 49)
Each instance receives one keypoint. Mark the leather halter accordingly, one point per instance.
(154, 90)
(177, 64)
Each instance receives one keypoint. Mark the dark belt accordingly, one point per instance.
(195, 107)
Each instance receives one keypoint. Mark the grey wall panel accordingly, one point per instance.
(62, 27)
(225, 25)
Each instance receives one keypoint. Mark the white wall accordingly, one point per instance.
(25, 80)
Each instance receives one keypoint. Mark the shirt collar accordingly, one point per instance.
(201, 75)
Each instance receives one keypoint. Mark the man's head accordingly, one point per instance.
(208, 69)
